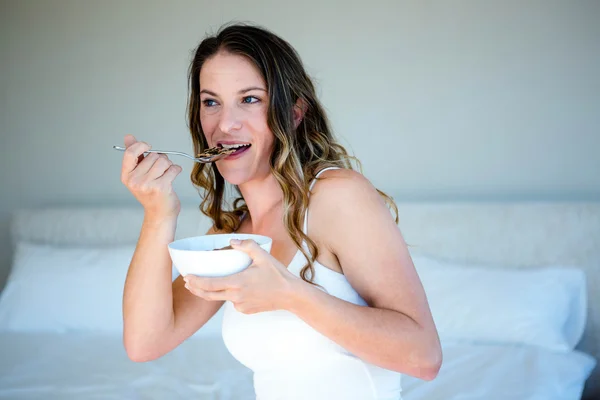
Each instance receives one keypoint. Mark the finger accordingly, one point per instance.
(250, 247)
(223, 295)
(129, 139)
(132, 155)
(161, 164)
(170, 174)
(146, 164)
(212, 284)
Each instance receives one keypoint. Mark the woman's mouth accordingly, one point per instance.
(238, 152)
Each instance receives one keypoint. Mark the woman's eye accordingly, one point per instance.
(250, 99)
(209, 103)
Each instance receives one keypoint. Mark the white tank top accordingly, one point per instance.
(293, 361)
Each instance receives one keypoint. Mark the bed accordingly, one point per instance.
(513, 287)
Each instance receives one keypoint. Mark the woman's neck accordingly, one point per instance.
(263, 197)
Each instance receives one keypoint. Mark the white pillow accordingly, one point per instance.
(544, 306)
(59, 289)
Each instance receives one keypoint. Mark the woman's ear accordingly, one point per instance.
(299, 110)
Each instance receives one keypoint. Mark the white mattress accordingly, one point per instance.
(78, 366)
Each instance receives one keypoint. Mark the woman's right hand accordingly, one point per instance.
(150, 179)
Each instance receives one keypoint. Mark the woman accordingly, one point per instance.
(337, 313)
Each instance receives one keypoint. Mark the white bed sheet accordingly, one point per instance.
(83, 366)
(79, 366)
(504, 372)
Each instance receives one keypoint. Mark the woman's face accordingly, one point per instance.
(234, 104)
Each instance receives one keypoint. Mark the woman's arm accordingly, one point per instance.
(383, 337)
(397, 330)
(158, 314)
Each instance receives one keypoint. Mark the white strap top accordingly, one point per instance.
(293, 361)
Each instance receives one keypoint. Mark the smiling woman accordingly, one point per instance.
(320, 316)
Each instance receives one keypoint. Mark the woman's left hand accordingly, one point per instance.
(266, 285)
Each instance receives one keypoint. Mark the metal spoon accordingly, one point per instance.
(210, 155)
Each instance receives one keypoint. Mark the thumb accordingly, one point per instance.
(129, 140)
(249, 247)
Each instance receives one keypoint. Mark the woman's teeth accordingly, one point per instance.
(234, 146)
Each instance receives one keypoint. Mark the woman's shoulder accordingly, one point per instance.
(338, 195)
(331, 181)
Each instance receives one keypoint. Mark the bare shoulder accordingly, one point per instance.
(344, 202)
(340, 175)
(342, 193)
(347, 181)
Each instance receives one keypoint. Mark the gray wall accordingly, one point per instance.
(439, 100)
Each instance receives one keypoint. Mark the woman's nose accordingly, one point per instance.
(230, 120)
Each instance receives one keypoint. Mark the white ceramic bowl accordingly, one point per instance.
(197, 255)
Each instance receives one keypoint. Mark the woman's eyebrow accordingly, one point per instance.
(240, 92)
(252, 88)
(208, 92)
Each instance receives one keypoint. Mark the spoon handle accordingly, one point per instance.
(178, 153)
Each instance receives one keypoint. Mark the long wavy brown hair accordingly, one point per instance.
(298, 153)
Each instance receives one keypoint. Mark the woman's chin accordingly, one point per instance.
(235, 179)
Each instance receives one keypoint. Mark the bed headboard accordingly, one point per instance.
(507, 234)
